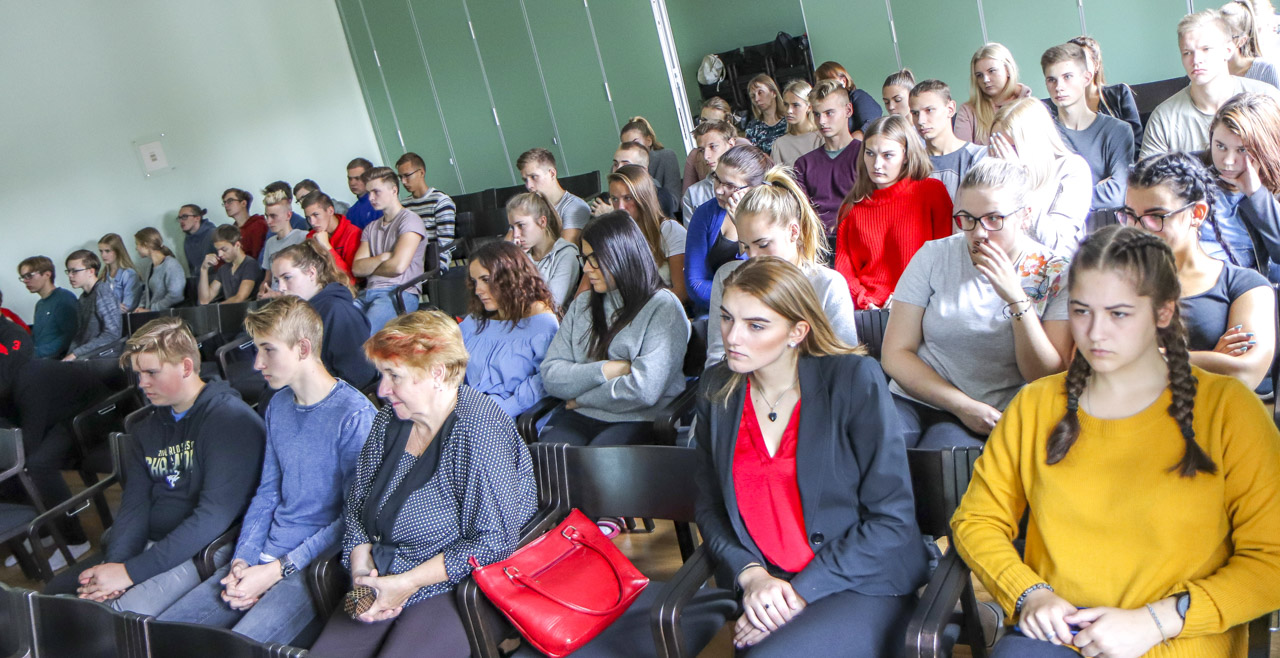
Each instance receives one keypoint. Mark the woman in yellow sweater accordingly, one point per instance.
(1153, 485)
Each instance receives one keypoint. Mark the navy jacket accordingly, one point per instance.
(345, 331)
(851, 466)
(187, 480)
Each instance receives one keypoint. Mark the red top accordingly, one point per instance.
(879, 235)
(344, 242)
(767, 491)
(253, 235)
(16, 320)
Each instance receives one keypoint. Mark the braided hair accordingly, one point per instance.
(1148, 263)
(1188, 178)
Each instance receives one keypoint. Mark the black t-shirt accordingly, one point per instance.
(249, 271)
(16, 349)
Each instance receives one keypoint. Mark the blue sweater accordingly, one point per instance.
(345, 330)
(55, 324)
(309, 464)
(505, 359)
(704, 230)
(361, 213)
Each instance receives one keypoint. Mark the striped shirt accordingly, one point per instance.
(437, 212)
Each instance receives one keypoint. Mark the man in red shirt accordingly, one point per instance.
(331, 231)
(4, 312)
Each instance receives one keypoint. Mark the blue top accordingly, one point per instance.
(299, 222)
(1226, 212)
(704, 230)
(361, 213)
(309, 464)
(1207, 314)
(57, 318)
(127, 287)
(865, 110)
(505, 359)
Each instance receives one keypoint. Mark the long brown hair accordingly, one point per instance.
(150, 238)
(536, 205)
(1255, 119)
(915, 159)
(306, 255)
(514, 282)
(1148, 263)
(642, 189)
(123, 259)
(786, 291)
(642, 125)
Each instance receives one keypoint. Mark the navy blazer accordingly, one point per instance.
(851, 467)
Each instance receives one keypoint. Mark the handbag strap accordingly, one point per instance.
(571, 533)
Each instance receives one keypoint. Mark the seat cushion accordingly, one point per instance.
(632, 635)
(14, 518)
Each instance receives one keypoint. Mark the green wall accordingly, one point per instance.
(245, 92)
(533, 64)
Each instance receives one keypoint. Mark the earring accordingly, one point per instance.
(791, 345)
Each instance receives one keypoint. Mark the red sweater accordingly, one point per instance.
(252, 236)
(879, 235)
(343, 242)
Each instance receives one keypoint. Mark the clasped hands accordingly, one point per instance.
(768, 603)
(1106, 632)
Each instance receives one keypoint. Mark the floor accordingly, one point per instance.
(655, 554)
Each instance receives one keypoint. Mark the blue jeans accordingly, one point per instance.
(376, 305)
(279, 616)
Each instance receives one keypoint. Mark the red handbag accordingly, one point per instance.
(563, 588)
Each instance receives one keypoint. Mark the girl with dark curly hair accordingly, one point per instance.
(1152, 485)
(510, 321)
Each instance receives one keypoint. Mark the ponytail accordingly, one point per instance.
(782, 200)
(307, 254)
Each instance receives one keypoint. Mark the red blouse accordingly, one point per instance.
(767, 491)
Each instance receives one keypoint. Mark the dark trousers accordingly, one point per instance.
(933, 429)
(842, 624)
(431, 627)
(47, 396)
(1016, 645)
(576, 429)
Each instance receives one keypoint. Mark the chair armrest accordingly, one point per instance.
(936, 607)
(205, 563)
(1260, 631)
(527, 423)
(70, 507)
(664, 616)
(431, 267)
(664, 426)
(327, 581)
(108, 351)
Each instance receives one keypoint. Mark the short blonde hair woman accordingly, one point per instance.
(802, 133)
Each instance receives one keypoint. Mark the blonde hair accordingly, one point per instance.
(289, 319)
(1028, 125)
(984, 108)
(1241, 17)
(992, 173)
(1201, 19)
(150, 238)
(168, 338)
(826, 88)
(277, 197)
(768, 83)
(642, 125)
(781, 201)
(641, 187)
(785, 289)
(800, 89)
(421, 340)
(536, 205)
(916, 164)
(123, 259)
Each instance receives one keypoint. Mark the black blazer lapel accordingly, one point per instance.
(814, 436)
(728, 417)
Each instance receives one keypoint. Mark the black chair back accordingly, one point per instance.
(1149, 95)
(236, 362)
(231, 317)
(939, 479)
(657, 482)
(15, 619)
(583, 185)
(69, 626)
(502, 195)
(134, 321)
(201, 320)
(870, 325)
(179, 640)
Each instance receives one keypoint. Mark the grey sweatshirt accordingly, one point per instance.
(833, 294)
(559, 268)
(166, 285)
(654, 343)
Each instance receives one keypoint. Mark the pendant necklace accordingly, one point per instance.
(773, 415)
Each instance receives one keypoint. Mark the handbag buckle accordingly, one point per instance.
(570, 533)
(512, 574)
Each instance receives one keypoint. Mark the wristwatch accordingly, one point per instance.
(287, 567)
(1182, 602)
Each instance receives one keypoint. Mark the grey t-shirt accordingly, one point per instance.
(249, 271)
(275, 244)
(950, 168)
(1107, 145)
(382, 234)
(967, 338)
(1263, 71)
(574, 212)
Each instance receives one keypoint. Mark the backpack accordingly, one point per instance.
(711, 71)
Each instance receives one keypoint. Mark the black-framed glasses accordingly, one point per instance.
(229, 201)
(1150, 221)
(70, 271)
(718, 184)
(589, 259)
(187, 215)
(405, 176)
(992, 221)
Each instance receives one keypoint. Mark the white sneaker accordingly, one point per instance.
(58, 560)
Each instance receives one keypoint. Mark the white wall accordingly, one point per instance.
(245, 91)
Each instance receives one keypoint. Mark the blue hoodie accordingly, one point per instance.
(345, 330)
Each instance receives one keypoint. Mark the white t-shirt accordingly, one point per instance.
(672, 245)
(1178, 125)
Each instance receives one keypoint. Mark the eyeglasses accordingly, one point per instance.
(187, 215)
(992, 221)
(227, 202)
(718, 184)
(589, 259)
(27, 277)
(1150, 221)
(69, 271)
(404, 176)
